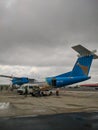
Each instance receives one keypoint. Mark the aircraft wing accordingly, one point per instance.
(6, 76)
(84, 51)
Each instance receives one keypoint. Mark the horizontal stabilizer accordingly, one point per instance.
(84, 51)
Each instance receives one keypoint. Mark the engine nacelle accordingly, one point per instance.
(20, 81)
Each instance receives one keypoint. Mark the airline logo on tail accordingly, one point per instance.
(84, 68)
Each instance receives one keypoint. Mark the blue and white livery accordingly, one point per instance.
(80, 71)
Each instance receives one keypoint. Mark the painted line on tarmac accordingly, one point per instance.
(25, 116)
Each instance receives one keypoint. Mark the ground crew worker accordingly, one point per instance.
(26, 91)
(57, 92)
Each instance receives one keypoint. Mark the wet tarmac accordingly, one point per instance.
(64, 121)
(71, 110)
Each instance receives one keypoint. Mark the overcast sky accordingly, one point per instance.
(36, 36)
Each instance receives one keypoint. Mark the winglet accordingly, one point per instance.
(84, 51)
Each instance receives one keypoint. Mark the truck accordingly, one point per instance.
(34, 90)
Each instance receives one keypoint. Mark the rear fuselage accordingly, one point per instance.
(63, 81)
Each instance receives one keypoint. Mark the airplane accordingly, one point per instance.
(80, 71)
(19, 80)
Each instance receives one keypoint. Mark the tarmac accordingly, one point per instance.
(73, 109)
(64, 121)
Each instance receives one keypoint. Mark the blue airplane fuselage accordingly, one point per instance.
(63, 81)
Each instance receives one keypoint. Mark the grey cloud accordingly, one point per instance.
(46, 22)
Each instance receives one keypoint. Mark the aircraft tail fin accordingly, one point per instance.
(84, 61)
